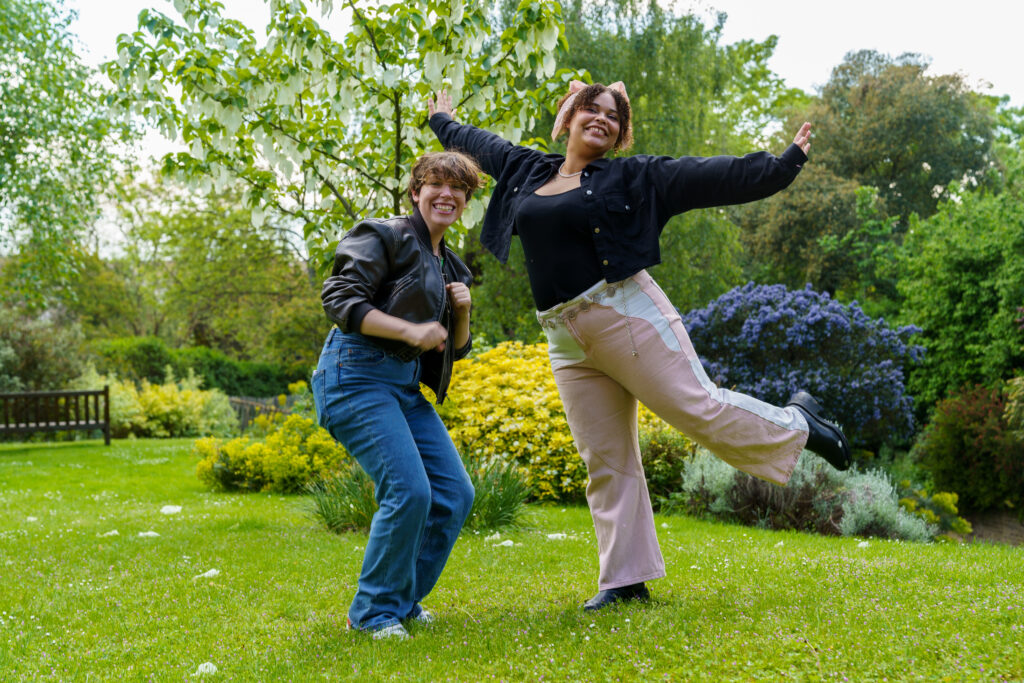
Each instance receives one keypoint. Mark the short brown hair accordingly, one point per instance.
(587, 96)
(453, 167)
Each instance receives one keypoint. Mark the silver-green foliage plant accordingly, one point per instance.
(817, 498)
(322, 131)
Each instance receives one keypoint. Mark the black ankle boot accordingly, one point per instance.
(606, 598)
(824, 438)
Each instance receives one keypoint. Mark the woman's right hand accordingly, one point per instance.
(426, 336)
(443, 104)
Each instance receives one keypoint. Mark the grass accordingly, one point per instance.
(79, 603)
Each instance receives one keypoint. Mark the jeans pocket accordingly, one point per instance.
(318, 387)
(362, 354)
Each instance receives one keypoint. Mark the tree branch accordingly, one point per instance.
(369, 33)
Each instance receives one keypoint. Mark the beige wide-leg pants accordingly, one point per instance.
(620, 342)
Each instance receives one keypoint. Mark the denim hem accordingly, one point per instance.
(377, 627)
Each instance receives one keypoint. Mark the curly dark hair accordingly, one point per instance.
(588, 95)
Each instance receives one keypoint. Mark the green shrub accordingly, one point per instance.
(146, 358)
(9, 381)
(236, 377)
(970, 448)
(500, 491)
(133, 358)
(126, 414)
(344, 501)
(169, 409)
(963, 278)
(665, 453)
(870, 508)
(182, 408)
(1013, 413)
(37, 354)
(939, 509)
(291, 456)
(817, 498)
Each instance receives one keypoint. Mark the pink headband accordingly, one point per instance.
(574, 90)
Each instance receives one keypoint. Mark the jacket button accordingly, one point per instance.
(515, 189)
(605, 262)
(597, 230)
(627, 207)
(586, 174)
(589, 192)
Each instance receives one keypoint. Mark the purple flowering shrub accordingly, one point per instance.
(768, 341)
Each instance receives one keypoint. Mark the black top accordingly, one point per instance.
(560, 256)
(629, 199)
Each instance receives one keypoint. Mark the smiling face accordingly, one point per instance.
(440, 201)
(595, 126)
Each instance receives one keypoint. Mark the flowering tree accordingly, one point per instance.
(58, 149)
(324, 131)
(768, 341)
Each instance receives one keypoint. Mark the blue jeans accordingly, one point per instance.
(371, 403)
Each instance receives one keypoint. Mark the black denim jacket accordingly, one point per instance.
(389, 265)
(628, 199)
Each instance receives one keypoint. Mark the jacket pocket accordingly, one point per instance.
(622, 204)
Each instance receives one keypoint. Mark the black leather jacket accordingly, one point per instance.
(389, 265)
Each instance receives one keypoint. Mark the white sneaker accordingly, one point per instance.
(396, 631)
(424, 617)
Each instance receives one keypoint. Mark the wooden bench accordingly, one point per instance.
(56, 411)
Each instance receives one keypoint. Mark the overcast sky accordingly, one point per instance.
(978, 39)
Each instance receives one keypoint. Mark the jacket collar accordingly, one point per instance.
(423, 232)
(597, 164)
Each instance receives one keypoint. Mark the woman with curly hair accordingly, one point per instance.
(589, 226)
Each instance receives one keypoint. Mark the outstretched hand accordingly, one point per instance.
(443, 104)
(803, 138)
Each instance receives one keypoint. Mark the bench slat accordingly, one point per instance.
(48, 411)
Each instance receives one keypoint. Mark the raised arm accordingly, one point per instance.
(492, 152)
(699, 182)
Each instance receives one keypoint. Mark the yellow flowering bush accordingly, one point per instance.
(504, 407)
(172, 409)
(939, 509)
(294, 454)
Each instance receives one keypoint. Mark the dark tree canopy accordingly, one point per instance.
(885, 122)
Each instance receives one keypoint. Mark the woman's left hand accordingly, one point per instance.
(803, 138)
(442, 105)
(458, 294)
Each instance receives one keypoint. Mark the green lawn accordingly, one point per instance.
(79, 602)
